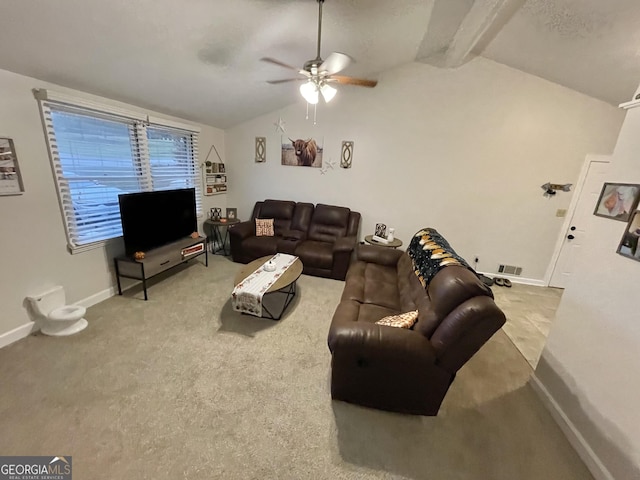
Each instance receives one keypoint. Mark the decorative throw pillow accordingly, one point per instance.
(264, 227)
(402, 320)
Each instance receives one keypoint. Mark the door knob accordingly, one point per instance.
(570, 237)
(572, 228)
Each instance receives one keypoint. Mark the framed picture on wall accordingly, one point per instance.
(302, 151)
(10, 178)
(629, 243)
(617, 201)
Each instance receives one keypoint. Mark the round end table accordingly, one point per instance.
(395, 243)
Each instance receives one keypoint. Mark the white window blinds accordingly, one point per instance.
(171, 154)
(97, 156)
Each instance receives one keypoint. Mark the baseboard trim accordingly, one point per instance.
(97, 297)
(577, 441)
(28, 328)
(17, 334)
(515, 279)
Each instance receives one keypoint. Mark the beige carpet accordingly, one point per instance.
(183, 387)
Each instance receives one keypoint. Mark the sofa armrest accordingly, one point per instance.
(345, 244)
(465, 330)
(380, 255)
(242, 230)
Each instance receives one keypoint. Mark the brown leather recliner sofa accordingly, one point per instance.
(322, 236)
(398, 369)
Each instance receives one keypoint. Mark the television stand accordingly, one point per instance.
(160, 260)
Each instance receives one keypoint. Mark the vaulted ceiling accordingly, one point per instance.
(199, 59)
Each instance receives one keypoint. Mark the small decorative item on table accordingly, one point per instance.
(139, 255)
(232, 213)
(381, 233)
(215, 214)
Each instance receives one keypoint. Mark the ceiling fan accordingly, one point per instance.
(319, 74)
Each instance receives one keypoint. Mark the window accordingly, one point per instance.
(97, 155)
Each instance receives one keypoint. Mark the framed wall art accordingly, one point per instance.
(261, 149)
(629, 243)
(302, 152)
(10, 178)
(346, 156)
(617, 201)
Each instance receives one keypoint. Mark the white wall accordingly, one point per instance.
(33, 254)
(463, 150)
(591, 363)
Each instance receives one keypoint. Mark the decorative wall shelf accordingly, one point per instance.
(215, 179)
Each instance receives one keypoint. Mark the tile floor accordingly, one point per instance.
(530, 311)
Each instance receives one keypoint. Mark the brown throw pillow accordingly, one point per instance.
(402, 320)
(264, 227)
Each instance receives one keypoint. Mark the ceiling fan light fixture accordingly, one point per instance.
(309, 91)
(328, 92)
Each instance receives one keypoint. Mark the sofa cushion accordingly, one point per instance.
(328, 222)
(315, 254)
(260, 246)
(371, 283)
(277, 209)
(302, 217)
(264, 227)
(371, 313)
(282, 213)
(402, 320)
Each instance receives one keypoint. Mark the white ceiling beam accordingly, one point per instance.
(483, 21)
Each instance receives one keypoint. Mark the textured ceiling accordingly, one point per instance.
(199, 59)
(592, 46)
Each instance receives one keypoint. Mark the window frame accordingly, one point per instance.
(49, 100)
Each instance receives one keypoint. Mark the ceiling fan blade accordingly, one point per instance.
(279, 63)
(335, 63)
(360, 82)
(275, 82)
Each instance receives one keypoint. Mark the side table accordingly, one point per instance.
(395, 243)
(218, 242)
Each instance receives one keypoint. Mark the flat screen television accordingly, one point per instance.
(153, 219)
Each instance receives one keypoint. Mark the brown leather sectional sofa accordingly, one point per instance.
(397, 369)
(322, 236)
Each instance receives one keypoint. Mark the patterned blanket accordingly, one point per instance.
(430, 253)
(247, 295)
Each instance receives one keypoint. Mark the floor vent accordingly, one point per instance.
(509, 270)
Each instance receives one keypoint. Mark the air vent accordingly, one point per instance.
(509, 270)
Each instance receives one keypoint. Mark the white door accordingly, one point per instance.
(575, 231)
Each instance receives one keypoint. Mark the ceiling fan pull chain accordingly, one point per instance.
(315, 110)
(307, 116)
